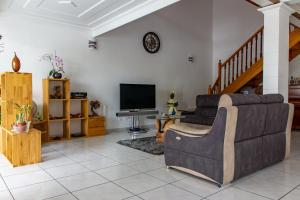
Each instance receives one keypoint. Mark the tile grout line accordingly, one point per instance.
(251, 192)
(295, 188)
(86, 187)
(7, 187)
(60, 185)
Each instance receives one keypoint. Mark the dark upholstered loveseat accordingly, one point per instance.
(205, 112)
(250, 132)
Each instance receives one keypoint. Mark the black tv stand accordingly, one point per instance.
(135, 128)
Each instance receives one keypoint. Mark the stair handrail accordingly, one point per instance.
(293, 27)
(243, 61)
(216, 88)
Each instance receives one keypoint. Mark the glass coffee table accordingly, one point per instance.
(163, 123)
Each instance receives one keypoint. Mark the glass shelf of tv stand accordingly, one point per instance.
(165, 117)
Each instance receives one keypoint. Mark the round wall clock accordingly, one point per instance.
(151, 42)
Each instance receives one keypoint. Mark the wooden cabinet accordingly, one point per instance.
(294, 98)
(96, 126)
(19, 148)
(15, 88)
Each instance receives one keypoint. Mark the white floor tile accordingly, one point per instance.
(55, 160)
(29, 178)
(66, 170)
(139, 183)
(117, 172)
(5, 195)
(107, 191)
(84, 156)
(279, 177)
(8, 171)
(39, 191)
(294, 195)
(168, 192)
(133, 198)
(80, 181)
(197, 186)
(265, 188)
(99, 163)
(235, 194)
(167, 175)
(2, 185)
(64, 197)
(145, 165)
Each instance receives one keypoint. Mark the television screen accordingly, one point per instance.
(137, 96)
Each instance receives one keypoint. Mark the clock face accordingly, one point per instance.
(151, 42)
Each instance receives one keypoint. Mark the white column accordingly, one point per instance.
(276, 49)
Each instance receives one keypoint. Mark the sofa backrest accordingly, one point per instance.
(258, 115)
(207, 105)
(260, 137)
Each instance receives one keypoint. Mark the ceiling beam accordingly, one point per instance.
(275, 1)
(135, 13)
(252, 2)
(297, 15)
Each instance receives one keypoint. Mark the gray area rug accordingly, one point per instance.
(147, 144)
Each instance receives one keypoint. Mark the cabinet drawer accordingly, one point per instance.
(96, 131)
(97, 122)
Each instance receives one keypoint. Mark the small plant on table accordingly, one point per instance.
(22, 118)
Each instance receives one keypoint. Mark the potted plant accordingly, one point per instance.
(22, 118)
(56, 63)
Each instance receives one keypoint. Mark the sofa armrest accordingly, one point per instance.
(208, 143)
(215, 147)
(190, 130)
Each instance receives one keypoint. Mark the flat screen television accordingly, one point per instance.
(137, 96)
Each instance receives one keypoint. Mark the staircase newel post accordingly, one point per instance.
(209, 90)
(219, 76)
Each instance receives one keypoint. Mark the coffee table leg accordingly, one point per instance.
(159, 131)
(160, 137)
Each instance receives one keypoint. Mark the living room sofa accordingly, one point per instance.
(250, 132)
(205, 112)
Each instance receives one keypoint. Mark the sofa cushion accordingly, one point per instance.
(272, 98)
(251, 121)
(195, 119)
(248, 157)
(207, 100)
(276, 118)
(206, 111)
(227, 100)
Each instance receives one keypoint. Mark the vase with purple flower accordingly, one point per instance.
(56, 63)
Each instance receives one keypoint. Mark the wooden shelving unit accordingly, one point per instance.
(19, 148)
(65, 102)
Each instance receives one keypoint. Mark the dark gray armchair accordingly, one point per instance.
(206, 110)
(250, 132)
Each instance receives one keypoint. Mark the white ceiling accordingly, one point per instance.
(99, 16)
(262, 3)
(295, 4)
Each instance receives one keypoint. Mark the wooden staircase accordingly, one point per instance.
(245, 66)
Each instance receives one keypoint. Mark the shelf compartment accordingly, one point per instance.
(58, 120)
(78, 118)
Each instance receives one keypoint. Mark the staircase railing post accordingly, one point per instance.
(209, 90)
(219, 76)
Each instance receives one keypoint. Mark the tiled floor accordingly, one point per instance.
(100, 169)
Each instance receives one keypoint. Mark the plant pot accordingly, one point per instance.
(21, 128)
(57, 75)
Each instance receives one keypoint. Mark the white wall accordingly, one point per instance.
(234, 21)
(120, 57)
